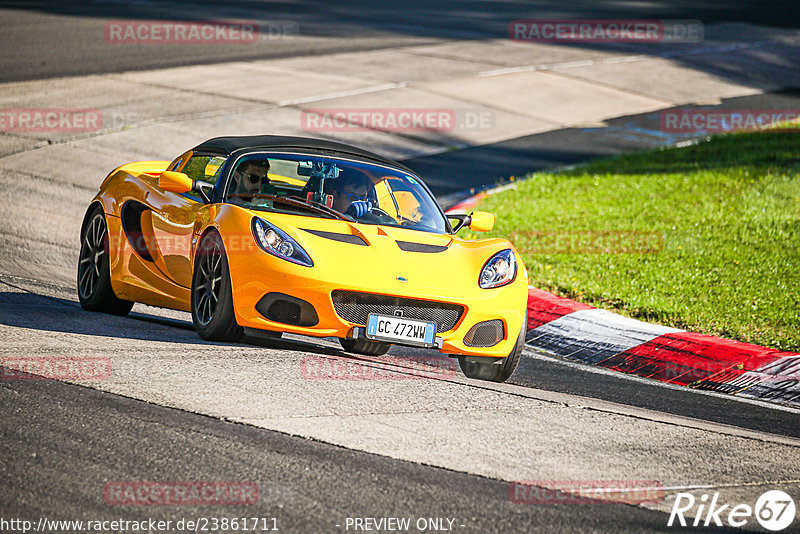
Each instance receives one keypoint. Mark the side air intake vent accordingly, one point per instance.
(131, 214)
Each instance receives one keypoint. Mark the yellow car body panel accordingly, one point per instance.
(155, 266)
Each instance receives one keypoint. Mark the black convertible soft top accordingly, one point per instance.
(229, 145)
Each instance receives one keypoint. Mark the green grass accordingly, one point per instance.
(709, 235)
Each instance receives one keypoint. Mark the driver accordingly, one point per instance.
(249, 177)
(350, 193)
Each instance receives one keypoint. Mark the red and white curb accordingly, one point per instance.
(575, 331)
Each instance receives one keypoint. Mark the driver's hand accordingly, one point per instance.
(359, 208)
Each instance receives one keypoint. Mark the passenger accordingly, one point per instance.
(350, 192)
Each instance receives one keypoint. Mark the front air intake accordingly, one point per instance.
(287, 310)
(485, 334)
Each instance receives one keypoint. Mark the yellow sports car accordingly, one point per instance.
(306, 236)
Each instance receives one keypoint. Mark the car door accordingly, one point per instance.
(173, 217)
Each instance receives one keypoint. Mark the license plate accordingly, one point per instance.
(401, 330)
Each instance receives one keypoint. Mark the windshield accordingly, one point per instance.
(333, 188)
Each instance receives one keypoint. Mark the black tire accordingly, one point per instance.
(94, 275)
(495, 372)
(212, 300)
(365, 346)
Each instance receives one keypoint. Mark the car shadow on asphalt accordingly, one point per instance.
(59, 315)
(31, 311)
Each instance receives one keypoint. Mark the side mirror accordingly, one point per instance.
(481, 221)
(175, 182)
(178, 182)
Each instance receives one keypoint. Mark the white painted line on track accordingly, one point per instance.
(341, 94)
(627, 59)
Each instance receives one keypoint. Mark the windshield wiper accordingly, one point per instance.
(313, 206)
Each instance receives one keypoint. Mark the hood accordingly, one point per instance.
(381, 256)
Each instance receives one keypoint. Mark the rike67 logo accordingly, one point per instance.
(774, 510)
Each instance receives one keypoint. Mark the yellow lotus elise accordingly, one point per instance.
(306, 236)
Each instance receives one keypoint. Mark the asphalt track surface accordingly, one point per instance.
(68, 441)
(30, 27)
(61, 442)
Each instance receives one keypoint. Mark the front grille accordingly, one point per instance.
(485, 334)
(356, 307)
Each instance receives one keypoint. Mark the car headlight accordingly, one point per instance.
(501, 269)
(275, 241)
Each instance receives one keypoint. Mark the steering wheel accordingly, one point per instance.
(379, 216)
(379, 211)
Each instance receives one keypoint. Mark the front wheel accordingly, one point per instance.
(212, 299)
(94, 275)
(495, 372)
